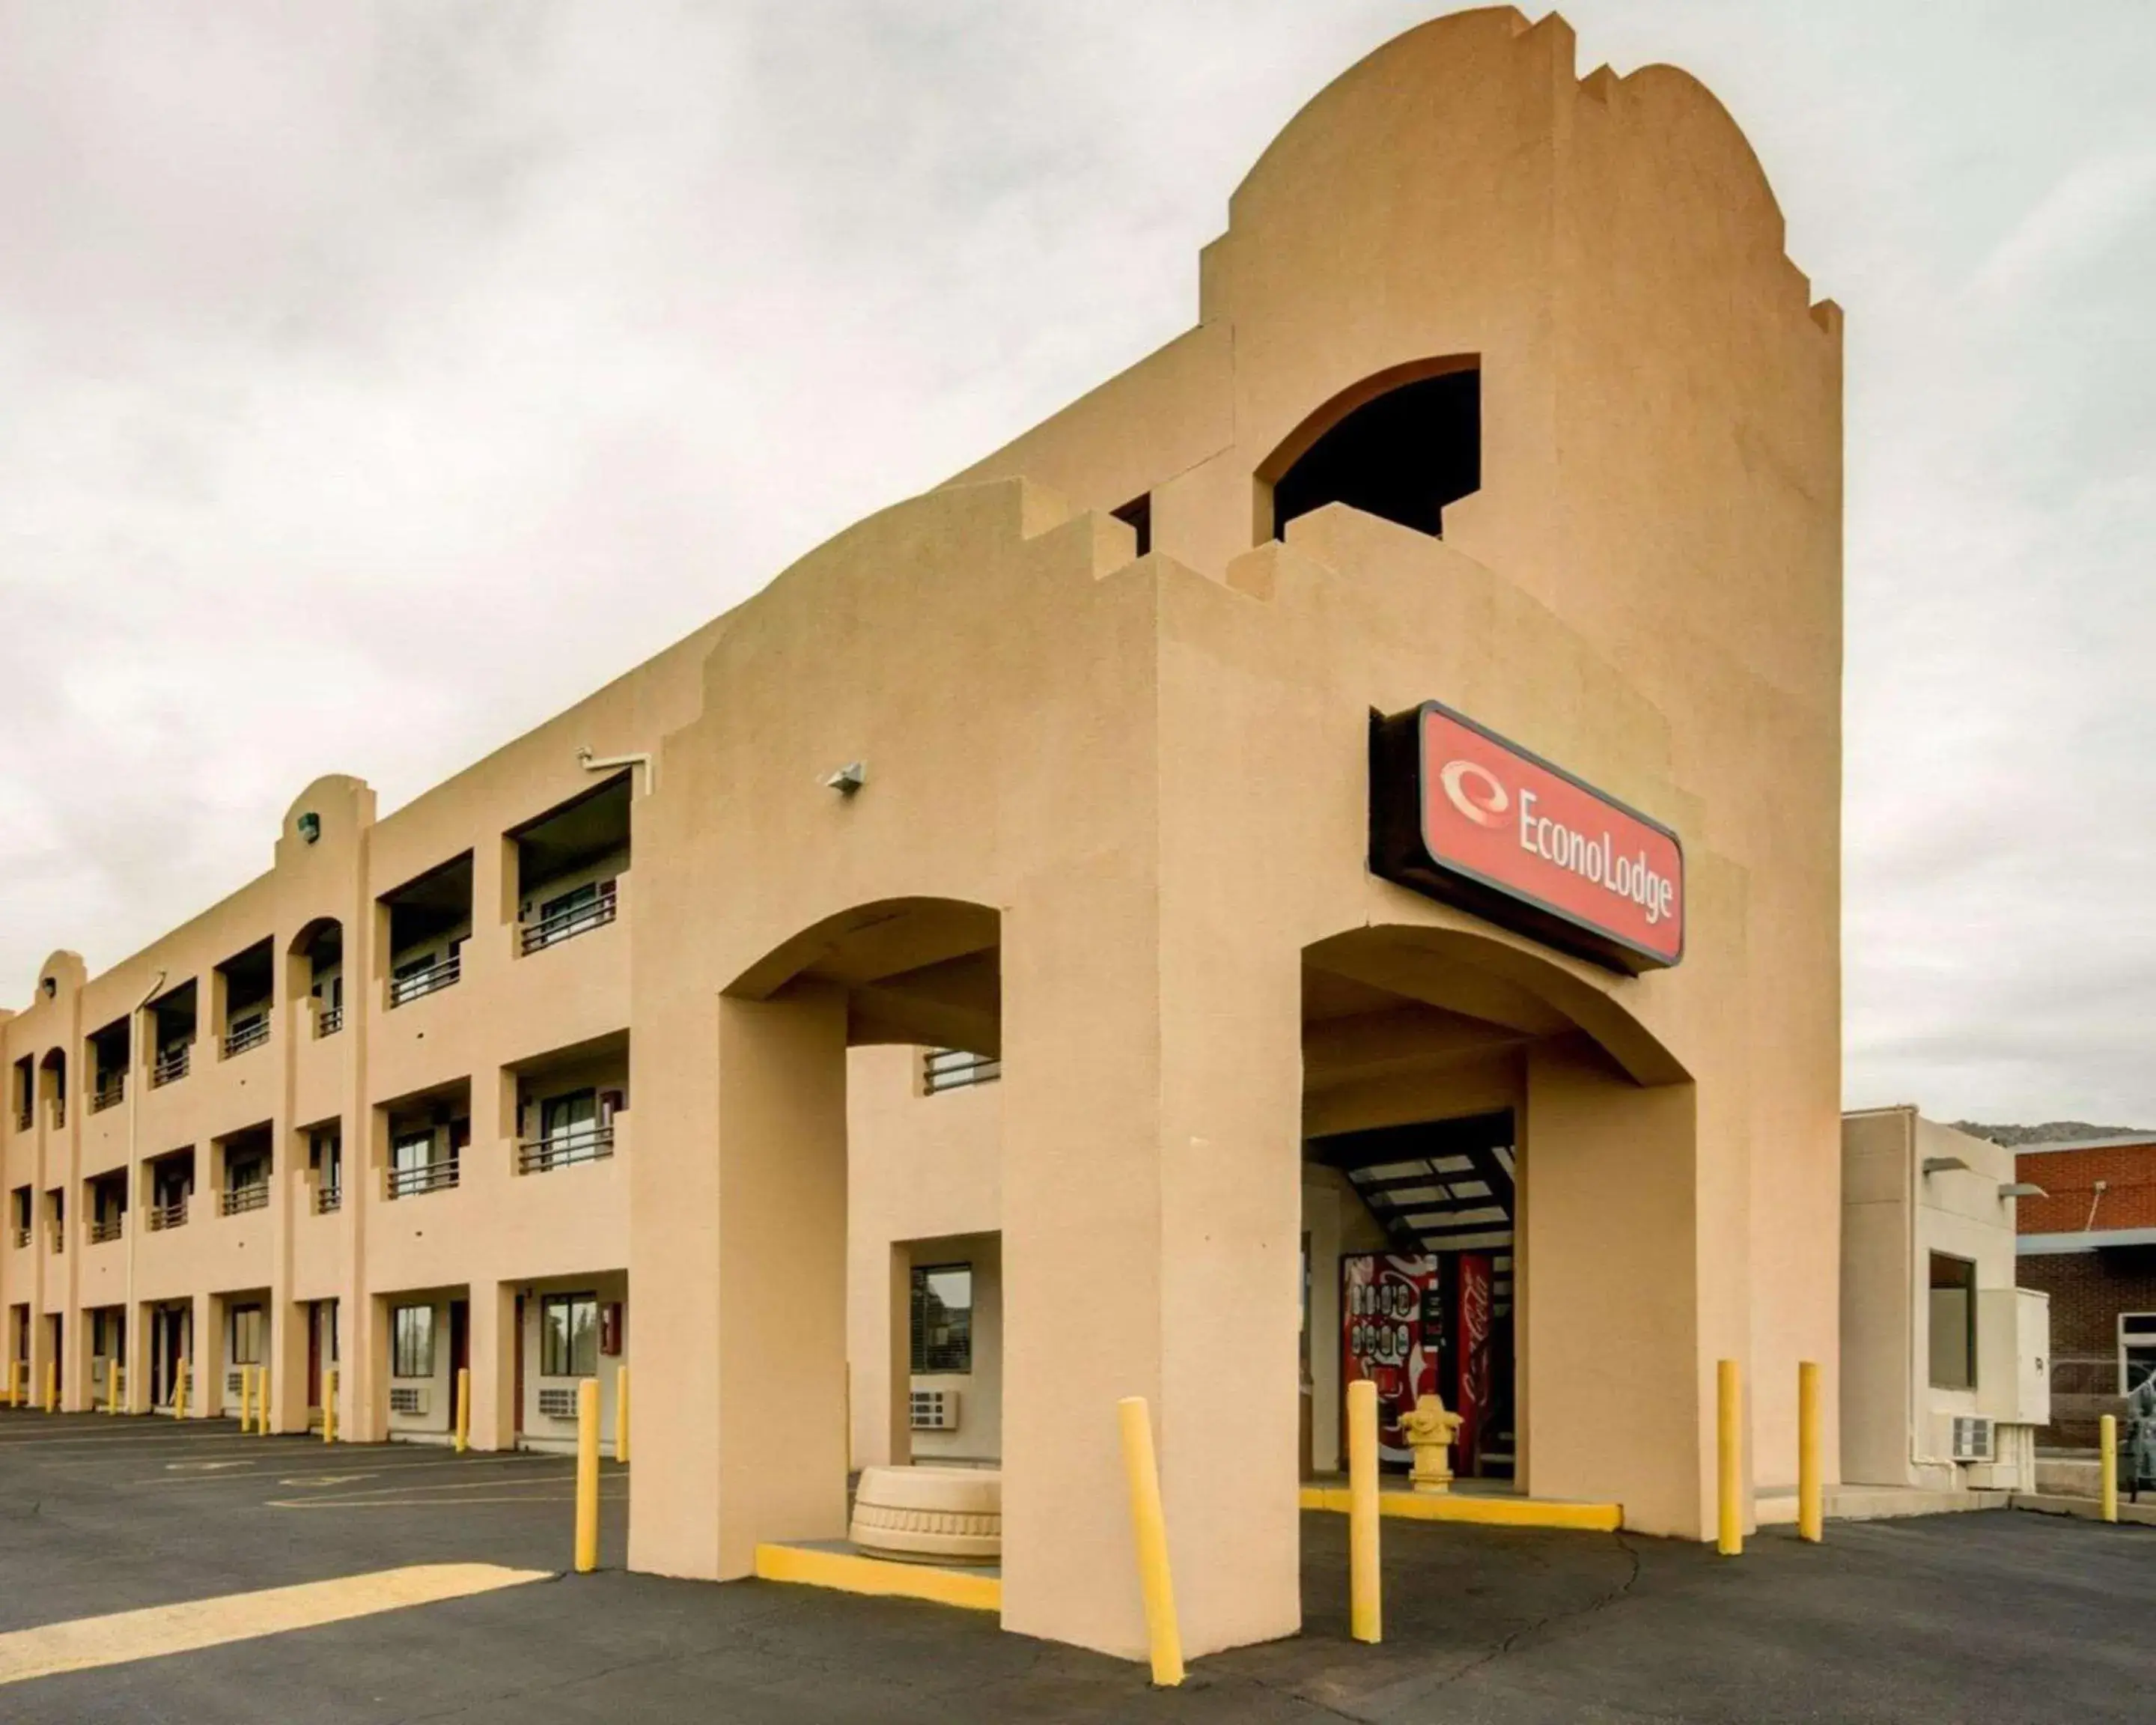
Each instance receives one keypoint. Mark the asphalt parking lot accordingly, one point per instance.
(2000, 1617)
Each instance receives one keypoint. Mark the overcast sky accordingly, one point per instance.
(376, 380)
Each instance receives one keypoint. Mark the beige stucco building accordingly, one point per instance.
(1502, 393)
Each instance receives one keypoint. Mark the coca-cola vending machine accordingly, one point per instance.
(1392, 1332)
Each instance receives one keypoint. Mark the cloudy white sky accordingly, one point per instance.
(376, 379)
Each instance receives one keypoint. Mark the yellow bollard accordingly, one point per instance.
(588, 1476)
(246, 1399)
(1729, 1459)
(1811, 1487)
(116, 1382)
(1164, 1633)
(329, 1404)
(621, 1414)
(262, 1401)
(1365, 1613)
(2107, 1439)
(52, 1386)
(180, 1389)
(463, 1408)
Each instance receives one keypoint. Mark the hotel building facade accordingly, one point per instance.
(1319, 861)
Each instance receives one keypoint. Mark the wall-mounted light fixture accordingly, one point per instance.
(2022, 1189)
(1945, 1164)
(310, 827)
(848, 779)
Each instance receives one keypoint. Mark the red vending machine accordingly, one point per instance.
(1391, 1329)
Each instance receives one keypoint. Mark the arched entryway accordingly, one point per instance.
(1499, 1161)
(922, 974)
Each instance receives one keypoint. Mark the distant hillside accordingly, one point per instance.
(2052, 1132)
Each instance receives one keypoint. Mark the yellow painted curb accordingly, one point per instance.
(851, 1573)
(1484, 1512)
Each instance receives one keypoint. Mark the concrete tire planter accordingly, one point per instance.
(930, 1515)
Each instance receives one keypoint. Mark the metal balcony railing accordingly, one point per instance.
(111, 1091)
(564, 1149)
(22, 1238)
(328, 1199)
(329, 1021)
(245, 1034)
(237, 1200)
(411, 986)
(170, 1064)
(427, 1176)
(594, 912)
(60, 1238)
(101, 1232)
(23, 1120)
(163, 1217)
(953, 1068)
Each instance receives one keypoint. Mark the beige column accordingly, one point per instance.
(288, 1364)
(898, 1354)
(494, 1345)
(1151, 1247)
(1606, 1268)
(781, 1331)
(206, 1355)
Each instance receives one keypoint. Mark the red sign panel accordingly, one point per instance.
(1459, 812)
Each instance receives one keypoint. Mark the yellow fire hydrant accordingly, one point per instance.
(1430, 1432)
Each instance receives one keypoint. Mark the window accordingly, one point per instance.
(569, 1336)
(413, 1150)
(247, 1335)
(564, 1120)
(411, 1342)
(1953, 1323)
(943, 1319)
(2137, 1350)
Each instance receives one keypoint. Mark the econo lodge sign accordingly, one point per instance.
(1459, 812)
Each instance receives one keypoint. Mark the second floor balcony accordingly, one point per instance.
(564, 1149)
(412, 1179)
(172, 1213)
(237, 1200)
(171, 1065)
(109, 1091)
(572, 913)
(110, 1229)
(428, 976)
(249, 1032)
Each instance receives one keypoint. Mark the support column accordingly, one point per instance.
(205, 1354)
(288, 1364)
(898, 1349)
(1152, 1234)
(782, 1226)
(493, 1344)
(138, 1398)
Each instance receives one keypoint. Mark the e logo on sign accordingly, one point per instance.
(1475, 792)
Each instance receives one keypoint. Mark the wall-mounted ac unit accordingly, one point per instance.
(408, 1397)
(232, 1383)
(1972, 1438)
(935, 1410)
(557, 1404)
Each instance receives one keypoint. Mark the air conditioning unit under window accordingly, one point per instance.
(557, 1404)
(935, 1410)
(1972, 1438)
(232, 1381)
(407, 1398)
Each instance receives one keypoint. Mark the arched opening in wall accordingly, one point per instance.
(857, 1104)
(1400, 445)
(1427, 1054)
(317, 960)
(53, 1086)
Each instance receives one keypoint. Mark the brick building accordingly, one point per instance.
(2090, 1242)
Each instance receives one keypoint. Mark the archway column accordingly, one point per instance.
(1151, 1194)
